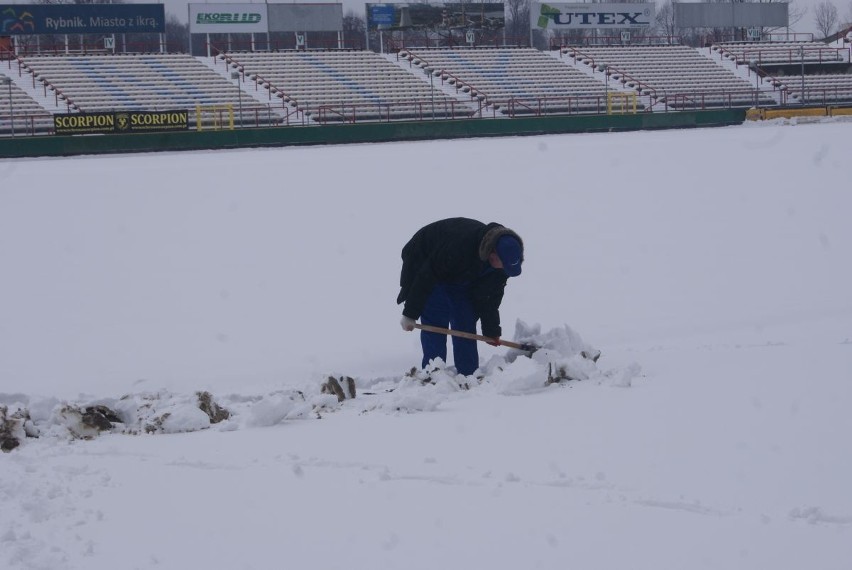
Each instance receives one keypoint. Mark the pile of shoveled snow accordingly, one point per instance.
(562, 357)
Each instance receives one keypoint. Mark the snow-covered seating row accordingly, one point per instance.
(778, 53)
(23, 114)
(348, 86)
(820, 89)
(141, 82)
(513, 80)
(676, 76)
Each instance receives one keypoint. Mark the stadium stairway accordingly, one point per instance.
(766, 89)
(609, 85)
(33, 111)
(250, 92)
(450, 91)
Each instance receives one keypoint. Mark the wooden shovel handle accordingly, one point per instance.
(472, 336)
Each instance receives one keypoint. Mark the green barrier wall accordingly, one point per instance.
(359, 133)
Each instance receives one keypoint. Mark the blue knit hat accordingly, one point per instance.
(511, 254)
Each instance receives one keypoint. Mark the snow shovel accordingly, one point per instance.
(526, 347)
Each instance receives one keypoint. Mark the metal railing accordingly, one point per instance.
(25, 124)
(785, 56)
(294, 110)
(713, 99)
(568, 105)
(642, 89)
(477, 95)
(598, 41)
(427, 41)
(417, 110)
(793, 95)
(260, 45)
(74, 47)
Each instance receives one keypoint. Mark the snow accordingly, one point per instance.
(710, 267)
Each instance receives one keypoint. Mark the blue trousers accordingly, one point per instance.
(449, 306)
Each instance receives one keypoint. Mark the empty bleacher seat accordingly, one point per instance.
(669, 74)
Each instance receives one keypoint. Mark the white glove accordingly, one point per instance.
(407, 323)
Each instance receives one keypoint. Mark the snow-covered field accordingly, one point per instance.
(711, 268)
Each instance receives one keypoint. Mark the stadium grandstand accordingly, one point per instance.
(514, 81)
(344, 86)
(258, 85)
(805, 72)
(673, 76)
(150, 82)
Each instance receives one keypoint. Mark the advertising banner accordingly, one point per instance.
(151, 121)
(120, 122)
(228, 19)
(83, 123)
(38, 19)
(591, 16)
(436, 16)
(305, 17)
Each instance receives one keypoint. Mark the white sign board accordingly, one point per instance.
(305, 17)
(228, 18)
(591, 16)
(731, 15)
(109, 42)
(470, 37)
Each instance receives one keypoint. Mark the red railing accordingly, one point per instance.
(568, 105)
(641, 88)
(58, 94)
(789, 88)
(789, 55)
(655, 40)
(776, 83)
(260, 44)
(788, 37)
(418, 110)
(699, 100)
(259, 117)
(742, 37)
(795, 55)
(295, 110)
(77, 48)
(413, 40)
(46, 84)
(22, 66)
(825, 95)
(464, 87)
(446, 76)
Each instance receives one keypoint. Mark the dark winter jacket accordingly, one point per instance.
(454, 251)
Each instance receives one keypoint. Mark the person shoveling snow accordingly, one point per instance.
(454, 272)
